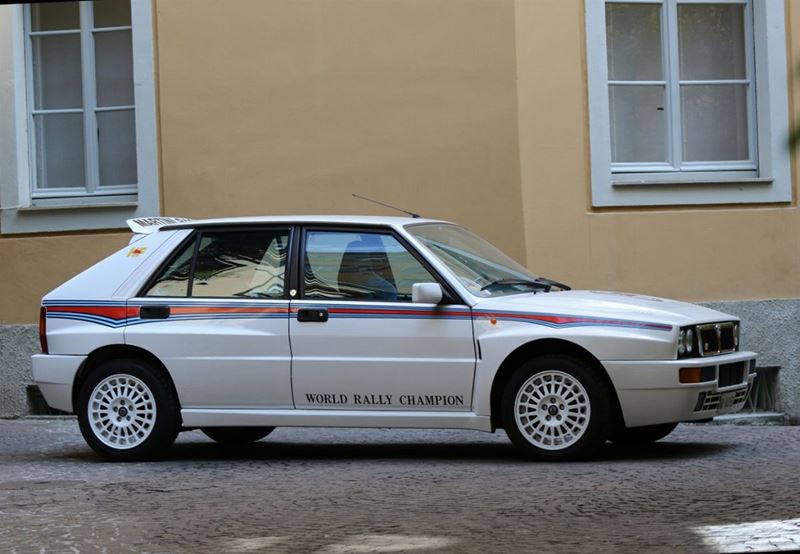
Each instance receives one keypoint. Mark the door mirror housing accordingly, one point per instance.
(426, 293)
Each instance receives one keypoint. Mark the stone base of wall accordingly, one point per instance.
(769, 327)
(772, 328)
(17, 344)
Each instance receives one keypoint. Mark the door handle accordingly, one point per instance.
(154, 312)
(312, 314)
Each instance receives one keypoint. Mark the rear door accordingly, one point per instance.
(358, 341)
(216, 315)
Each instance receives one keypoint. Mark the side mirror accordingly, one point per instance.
(426, 293)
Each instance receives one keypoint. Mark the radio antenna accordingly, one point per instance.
(412, 214)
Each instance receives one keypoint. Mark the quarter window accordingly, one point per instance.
(238, 264)
(360, 266)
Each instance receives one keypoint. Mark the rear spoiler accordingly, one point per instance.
(145, 225)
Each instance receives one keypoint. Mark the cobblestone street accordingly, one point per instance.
(334, 491)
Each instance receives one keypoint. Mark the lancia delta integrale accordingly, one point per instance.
(238, 326)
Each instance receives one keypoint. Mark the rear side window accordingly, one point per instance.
(237, 264)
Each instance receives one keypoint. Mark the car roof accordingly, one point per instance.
(304, 219)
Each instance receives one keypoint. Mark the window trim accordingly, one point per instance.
(19, 211)
(770, 183)
(450, 296)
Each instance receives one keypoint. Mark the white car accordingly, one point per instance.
(237, 326)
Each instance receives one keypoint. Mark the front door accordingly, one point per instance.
(359, 343)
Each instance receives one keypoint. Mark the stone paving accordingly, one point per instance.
(704, 489)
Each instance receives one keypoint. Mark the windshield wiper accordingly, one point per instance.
(552, 283)
(538, 283)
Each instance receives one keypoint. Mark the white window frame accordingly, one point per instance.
(765, 178)
(23, 209)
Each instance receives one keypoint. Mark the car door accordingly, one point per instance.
(359, 343)
(217, 316)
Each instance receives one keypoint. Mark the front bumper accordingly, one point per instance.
(650, 392)
(54, 375)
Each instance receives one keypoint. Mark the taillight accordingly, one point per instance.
(43, 329)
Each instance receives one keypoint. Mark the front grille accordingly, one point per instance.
(707, 401)
(717, 338)
(731, 374)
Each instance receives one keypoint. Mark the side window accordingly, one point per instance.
(360, 266)
(247, 264)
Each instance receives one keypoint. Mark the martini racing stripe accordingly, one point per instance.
(361, 311)
(117, 314)
(559, 321)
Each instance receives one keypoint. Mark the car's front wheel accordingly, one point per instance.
(127, 411)
(556, 407)
(236, 435)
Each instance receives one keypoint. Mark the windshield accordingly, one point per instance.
(482, 268)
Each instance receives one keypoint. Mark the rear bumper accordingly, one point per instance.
(650, 392)
(54, 376)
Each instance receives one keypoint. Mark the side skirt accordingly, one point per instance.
(195, 417)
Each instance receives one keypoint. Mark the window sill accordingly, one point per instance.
(45, 208)
(696, 182)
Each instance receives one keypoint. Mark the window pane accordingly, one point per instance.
(116, 133)
(59, 150)
(55, 16)
(114, 62)
(360, 266)
(112, 13)
(634, 42)
(174, 280)
(57, 72)
(247, 264)
(711, 40)
(638, 124)
(714, 123)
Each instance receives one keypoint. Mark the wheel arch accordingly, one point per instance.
(543, 347)
(114, 352)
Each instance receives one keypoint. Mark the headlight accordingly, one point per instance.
(736, 335)
(685, 342)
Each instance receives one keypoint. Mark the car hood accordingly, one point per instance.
(612, 305)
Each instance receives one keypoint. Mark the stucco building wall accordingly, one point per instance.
(470, 110)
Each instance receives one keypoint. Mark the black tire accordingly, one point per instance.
(162, 428)
(237, 435)
(600, 409)
(642, 435)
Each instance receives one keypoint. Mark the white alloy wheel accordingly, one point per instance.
(552, 410)
(121, 411)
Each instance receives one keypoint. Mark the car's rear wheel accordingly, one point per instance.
(236, 435)
(642, 435)
(556, 407)
(127, 411)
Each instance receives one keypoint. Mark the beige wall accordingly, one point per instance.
(282, 107)
(31, 266)
(470, 110)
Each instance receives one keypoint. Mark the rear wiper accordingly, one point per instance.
(538, 283)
